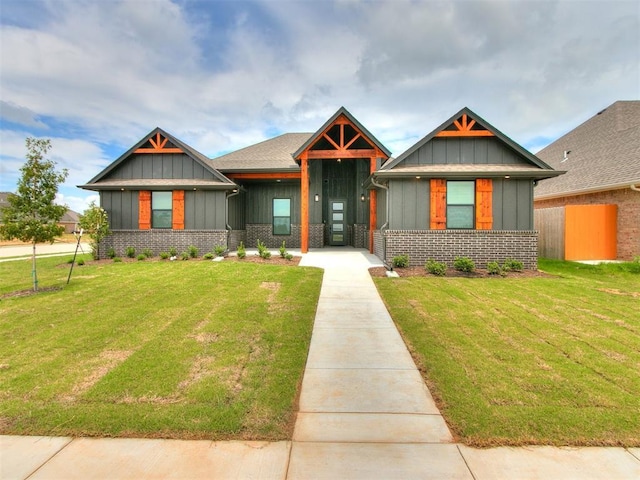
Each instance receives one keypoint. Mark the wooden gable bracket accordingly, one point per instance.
(158, 143)
(464, 128)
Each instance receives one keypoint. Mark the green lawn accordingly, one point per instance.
(528, 361)
(191, 349)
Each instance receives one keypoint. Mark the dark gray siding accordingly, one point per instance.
(260, 201)
(204, 210)
(315, 186)
(160, 165)
(237, 211)
(381, 212)
(122, 209)
(409, 204)
(483, 150)
(512, 204)
(344, 180)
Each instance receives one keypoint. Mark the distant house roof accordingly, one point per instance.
(70, 217)
(271, 155)
(603, 153)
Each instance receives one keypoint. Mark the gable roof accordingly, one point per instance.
(604, 153)
(542, 170)
(101, 182)
(273, 155)
(334, 117)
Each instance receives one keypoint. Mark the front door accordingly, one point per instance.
(337, 222)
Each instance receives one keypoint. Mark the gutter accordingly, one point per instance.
(634, 188)
(385, 226)
(226, 212)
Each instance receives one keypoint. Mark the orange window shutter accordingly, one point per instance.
(144, 210)
(178, 210)
(438, 207)
(484, 204)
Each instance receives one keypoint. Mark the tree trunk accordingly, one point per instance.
(33, 271)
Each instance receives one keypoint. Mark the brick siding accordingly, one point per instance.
(628, 224)
(160, 240)
(482, 246)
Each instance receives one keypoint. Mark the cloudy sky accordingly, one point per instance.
(95, 76)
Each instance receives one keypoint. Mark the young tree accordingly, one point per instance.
(31, 215)
(95, 222)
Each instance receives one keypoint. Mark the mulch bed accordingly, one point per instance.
(451, 272)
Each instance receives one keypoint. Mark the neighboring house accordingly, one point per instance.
(68, 220)
(593, 212)
(464, 190)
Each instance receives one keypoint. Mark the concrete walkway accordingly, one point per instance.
(23, 252)
(365, 413)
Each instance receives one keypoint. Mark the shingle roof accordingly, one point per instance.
(275, 154)
(159, 183)
(605, 153)
(465, 170)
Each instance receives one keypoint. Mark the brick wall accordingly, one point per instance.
(235, 237)
(360, 236)
(264, 233)
(160, 240)
(628, 223)
(482, 246)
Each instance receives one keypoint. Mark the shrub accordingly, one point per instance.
(634, 267)
(193, 251)
(288, 256)
(494, 268)
(164, 255)
(141, 257)
(117, 260)
(130, 252)
(436, 268)
(81, 262)
(219, 250)
(263, 251)
(208, 256)
(400, 261)
(111, 253)
(464, 264)
(147, 253)
(173, 252)
(242, 252)
(70, 261)
(185, 255)
(511, 265)
(283, 250)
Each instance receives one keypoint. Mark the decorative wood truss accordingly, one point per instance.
(342, 139)
(465, 127)
(158, 144)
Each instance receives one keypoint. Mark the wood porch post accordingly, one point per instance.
(373, 206)
(304, 203)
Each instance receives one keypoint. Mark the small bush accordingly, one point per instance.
(464, 264)
(81, 262)
(288, 256)
(219, 250)
(130, 252)
(208, 256)
(193, 251)
(634, 267)
(283, 250)
(164, 255)
(400, 261)
(142, 257)
(263, 251)
(511, 265)
(494, 268)
(117, 260)
(147, 253)
(436, 268)
(185, 255)
(173, 252)
(111, 253)
(70, 261)
(242, 252)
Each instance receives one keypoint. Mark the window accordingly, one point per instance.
(282, 216)
(161, 206)
(460, 204)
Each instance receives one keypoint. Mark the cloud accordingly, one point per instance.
(13, 113)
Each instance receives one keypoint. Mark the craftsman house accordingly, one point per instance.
(593, 212)
(463, 190)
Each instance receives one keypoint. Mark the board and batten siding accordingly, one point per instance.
(121, 208)
(159, 166)
(409, 204)
(512, 204)
(238, 211)
(454, 150)
(260, 198)
(204, 210)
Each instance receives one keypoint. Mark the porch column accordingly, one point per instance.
(373, 206)
(304, 203)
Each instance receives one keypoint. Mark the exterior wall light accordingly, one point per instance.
(362, 197)
(316, 197)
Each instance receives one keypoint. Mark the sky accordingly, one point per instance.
(95, 76)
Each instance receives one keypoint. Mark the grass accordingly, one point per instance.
(552, 360)
(154, 349)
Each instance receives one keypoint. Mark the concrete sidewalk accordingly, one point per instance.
(22, 252)
(365, 413)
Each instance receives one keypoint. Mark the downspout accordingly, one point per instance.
(226, 213)
(386, 220)
(634, 188)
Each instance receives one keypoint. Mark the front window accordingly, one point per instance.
(460, 204)
(282, 216)
(161, 208)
